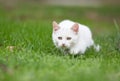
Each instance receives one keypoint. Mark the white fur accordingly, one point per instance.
(79, 42)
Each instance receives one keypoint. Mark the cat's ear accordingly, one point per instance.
(55, 26)
(75, 27)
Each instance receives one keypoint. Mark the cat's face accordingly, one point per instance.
(65, 37)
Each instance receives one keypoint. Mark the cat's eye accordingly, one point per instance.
(68, 38)
(60, 38)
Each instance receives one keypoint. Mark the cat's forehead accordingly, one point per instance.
(66, 24)
(64, 32)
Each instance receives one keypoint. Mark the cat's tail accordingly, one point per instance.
(97, 47)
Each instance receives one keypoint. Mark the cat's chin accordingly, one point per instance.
(64, 48)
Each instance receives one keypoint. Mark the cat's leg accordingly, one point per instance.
(74, 51)
(78, 49)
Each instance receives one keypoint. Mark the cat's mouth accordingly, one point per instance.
(65, 48)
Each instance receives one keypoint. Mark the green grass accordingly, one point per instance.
(35, 58)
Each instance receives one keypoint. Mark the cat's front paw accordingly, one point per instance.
(74, 52)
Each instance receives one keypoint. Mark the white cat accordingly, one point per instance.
(73, 36)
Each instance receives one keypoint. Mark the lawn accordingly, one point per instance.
(34, 57)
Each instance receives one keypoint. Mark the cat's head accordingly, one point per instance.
(65, 37)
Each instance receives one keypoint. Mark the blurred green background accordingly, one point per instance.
(95, 12)
(26, 26)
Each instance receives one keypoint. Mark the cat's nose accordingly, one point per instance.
(63, 45)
